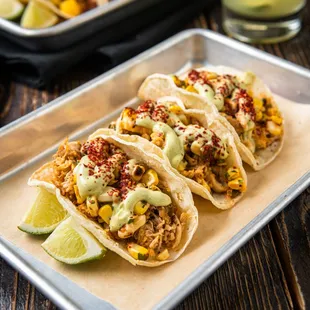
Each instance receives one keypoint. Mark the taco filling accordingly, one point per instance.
(123, 195)
(196, 152)
(257, 121)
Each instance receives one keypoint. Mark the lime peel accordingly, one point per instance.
(37, 16)
(11, 9)
(72, 244)
(44, 216)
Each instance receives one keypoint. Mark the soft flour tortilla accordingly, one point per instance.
(221, 201)
(158, 85)
(179, 192)
(50, 5)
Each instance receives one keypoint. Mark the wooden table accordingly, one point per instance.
(271, 271)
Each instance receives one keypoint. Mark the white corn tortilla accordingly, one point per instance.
(158, 85)
(207, 121)
(179, 192)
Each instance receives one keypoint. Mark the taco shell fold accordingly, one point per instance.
(159, 85)
(178, 191)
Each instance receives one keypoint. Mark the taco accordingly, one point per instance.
(128, 200)
(241, 102)
(71, 8)
(199, 149)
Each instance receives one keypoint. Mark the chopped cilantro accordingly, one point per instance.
(142, 256)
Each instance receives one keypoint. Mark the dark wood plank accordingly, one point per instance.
(252, 279)
(7, 286)
(291, 232)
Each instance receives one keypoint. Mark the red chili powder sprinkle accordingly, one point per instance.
(215, 140)
(97, 150)
(245, 103)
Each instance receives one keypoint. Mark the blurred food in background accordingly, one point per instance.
(38, 14)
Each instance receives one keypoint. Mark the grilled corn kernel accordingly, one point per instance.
(175, 109)
(141, 207)
(259, 116)
(274, 129)
(77, 194)
(237, 184)
(177, 81)
(138, 172)
(157, 139)
(276, 119)
(191, 89)
(70, 7)
(137, 252)
(92, 206)
(272, 111)
(195, 148)
(182, 165)
(164, 255)
(258, 104)
(211, 75)
(105, 212)
(232, 173)
(150, 178)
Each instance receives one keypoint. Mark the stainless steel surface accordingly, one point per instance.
(73, 115)
(75, 29)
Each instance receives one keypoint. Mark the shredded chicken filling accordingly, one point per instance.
(151, 231)
(201, 162)
(257, 121)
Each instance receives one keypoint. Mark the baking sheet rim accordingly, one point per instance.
(230, 247)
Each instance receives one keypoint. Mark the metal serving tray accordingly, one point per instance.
(72, 114)
(76, 29)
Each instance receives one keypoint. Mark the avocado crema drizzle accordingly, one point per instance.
(217, 88)
(177, 133)
(92, 180)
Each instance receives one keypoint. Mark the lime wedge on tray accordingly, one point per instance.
(44, 216)
(36, 16)
(70, 243)
(11, 9)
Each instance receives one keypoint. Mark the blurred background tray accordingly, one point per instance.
(66, 33)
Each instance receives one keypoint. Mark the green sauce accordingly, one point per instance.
(91, 180)
(206, 90)
(87, 184)
(173, 148)
(124, 210)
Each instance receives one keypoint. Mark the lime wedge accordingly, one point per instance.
(37, 16)
(11, 9)
(44, 216)
(72, 244)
